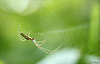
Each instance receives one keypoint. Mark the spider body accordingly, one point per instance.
(25, 36)
(37, 43)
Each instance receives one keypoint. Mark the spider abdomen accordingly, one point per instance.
(25, 36)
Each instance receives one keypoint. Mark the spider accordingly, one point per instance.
(37, 43)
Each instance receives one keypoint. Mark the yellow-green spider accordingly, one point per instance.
(37, 43)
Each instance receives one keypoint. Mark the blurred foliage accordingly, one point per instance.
(76, 23)
(1, 62)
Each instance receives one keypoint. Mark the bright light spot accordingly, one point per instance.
(65, 56)
(33, 6)
(18, 5)
(19, 25)
(22, 7)
(1, 62)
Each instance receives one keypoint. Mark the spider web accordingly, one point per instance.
(73, 33)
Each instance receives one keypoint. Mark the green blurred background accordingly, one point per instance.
(75, 23)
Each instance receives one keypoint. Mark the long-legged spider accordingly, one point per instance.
(37, 43)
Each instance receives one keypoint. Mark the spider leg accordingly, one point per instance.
(43, 49)
(29, 32)
(47, 50)
(56, 48)
(39, 43)
(44, 36)
(42, 42)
